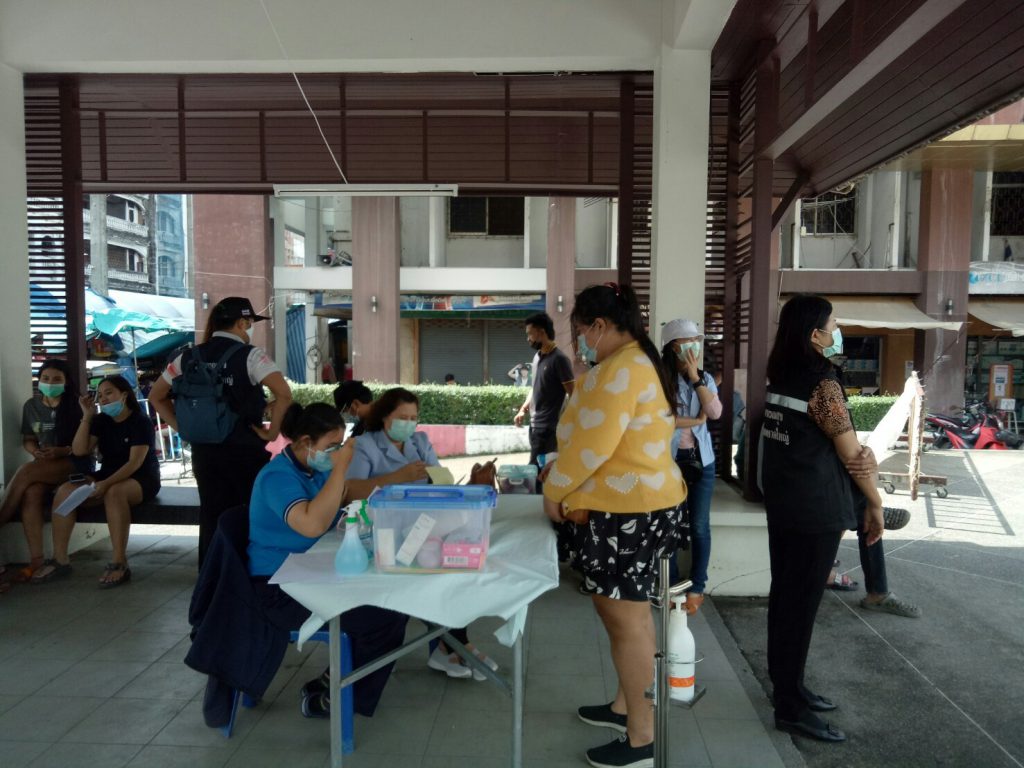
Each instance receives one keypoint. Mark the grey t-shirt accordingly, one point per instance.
(40, 420)
(550, 372)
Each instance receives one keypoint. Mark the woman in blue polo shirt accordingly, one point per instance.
(391, 451)
(297, 499)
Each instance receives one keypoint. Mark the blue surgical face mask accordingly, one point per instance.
(50, 390)
(837, 344)
(588, 354)
(113, 410)
(401, 429)
(319, 461)
(681, 352)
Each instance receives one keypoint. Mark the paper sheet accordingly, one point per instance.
(440, 475)
(74, 500)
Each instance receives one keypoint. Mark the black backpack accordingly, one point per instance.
(203, 413)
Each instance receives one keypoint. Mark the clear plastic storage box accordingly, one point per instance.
(517, 478)
(431, 528)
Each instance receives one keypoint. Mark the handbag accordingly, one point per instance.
(692, 468)
(484, 474)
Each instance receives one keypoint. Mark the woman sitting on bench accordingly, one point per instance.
(129, 475)
(48, 424)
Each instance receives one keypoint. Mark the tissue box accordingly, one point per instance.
(431, 528)
(517, 478)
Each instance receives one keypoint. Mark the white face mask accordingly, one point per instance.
(248, 334)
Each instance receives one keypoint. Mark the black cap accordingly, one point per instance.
(348, 391)
(235, 307)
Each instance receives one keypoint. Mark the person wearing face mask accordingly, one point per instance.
(391, 452)
(129, 475)
(48, 425)
(297, 499)
(617, 490)
(225, 471)
(808, 455)
(552, 382)
(353, 399)
(695, 397)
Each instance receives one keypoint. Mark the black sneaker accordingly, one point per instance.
(316, 705)
(317, 685)
(895, 518)
(621, 754)
(602, 716)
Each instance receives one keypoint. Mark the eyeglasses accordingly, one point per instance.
(333, 447)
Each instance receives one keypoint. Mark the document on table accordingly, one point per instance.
(440, 475)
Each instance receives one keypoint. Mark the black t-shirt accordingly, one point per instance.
(550, 372)
(115, 441)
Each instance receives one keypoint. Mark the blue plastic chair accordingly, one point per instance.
(347, 716)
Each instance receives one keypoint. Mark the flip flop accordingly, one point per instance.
(50, 570)
(842, 583)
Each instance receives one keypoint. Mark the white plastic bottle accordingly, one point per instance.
(681, 653)
(351, 558)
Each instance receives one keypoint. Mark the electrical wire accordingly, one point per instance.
(302, 91)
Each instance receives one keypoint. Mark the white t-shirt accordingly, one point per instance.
(258, 363)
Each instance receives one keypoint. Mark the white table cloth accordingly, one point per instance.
(521, 565)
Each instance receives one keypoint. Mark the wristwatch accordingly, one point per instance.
(698, 383)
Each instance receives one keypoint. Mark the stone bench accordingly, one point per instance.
(174, 505)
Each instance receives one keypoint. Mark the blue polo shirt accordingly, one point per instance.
(376, 455)
(280, 485)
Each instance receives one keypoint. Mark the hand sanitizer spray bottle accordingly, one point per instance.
(681, 656)
(351, 558)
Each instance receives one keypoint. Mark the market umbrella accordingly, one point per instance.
(114, 320)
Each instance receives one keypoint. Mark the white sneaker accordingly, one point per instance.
(448, 663)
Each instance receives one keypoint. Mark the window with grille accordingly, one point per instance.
(486, 216)
(829, 214)
(1007, 203)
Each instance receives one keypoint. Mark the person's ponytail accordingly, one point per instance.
(632, 322)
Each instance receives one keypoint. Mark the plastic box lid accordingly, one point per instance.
(517, 471)
(427, 497)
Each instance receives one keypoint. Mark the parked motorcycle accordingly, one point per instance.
(977, 427)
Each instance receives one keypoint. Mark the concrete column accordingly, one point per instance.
(15, 347)
(281, 298)
(438, 231)
(944, 253)
(376, 251)
(561, 267)
(682, 83)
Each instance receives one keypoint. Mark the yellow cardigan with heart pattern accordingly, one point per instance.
(613, 440)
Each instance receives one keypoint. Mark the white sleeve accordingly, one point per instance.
(259, 365)
(173, 370)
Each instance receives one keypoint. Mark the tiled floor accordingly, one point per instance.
(95, 678)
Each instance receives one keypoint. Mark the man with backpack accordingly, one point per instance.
(212, 395)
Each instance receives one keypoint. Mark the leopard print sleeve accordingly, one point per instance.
(827, 408)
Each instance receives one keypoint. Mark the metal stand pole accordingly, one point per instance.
(662, 701)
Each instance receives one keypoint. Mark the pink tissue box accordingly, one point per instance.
(464, 555)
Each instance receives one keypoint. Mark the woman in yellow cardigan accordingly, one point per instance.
(615, 479)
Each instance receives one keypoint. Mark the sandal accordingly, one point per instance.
(842, 583)
(113, 568)
(50, 570)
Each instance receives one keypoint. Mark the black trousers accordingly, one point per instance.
(225, 475)
(542, 441)
(373, 632)
(800, 566)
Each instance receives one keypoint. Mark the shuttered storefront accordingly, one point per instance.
(476, 351)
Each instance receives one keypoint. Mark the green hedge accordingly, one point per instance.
(496, 405)
(868, 411)
(439, 404)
